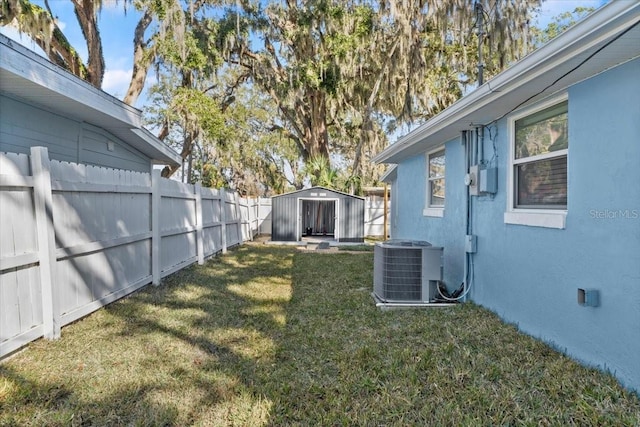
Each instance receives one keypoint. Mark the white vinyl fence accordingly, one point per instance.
(264, 215)
(74, 238)
(374, 216)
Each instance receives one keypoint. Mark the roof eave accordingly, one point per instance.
(32, 78)
(319, 188)
(390, 174)
(156, 149)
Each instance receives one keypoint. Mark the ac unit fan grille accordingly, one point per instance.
(402, 274)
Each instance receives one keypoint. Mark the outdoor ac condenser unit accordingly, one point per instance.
(406, 271)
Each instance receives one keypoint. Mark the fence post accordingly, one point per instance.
(256, 207)
(156, 199)
(250, 217)
(259, 219)
(199, 231)
(43, 202)
(236, 197)
(223, 219)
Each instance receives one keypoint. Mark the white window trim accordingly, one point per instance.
(429, 210)
(547, 218)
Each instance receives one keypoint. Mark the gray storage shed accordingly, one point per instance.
(317, 211)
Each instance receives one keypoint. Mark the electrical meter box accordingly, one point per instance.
(488, 180)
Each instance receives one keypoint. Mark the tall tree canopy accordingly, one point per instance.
(337, 75)
(339, 71)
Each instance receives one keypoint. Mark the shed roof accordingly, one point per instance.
(26, 75)
(608, 37)
(318, 188)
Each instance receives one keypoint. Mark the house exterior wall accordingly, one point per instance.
(23, 125)
(530, 275)
(408, 221)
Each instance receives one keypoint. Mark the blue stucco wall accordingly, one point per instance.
(530, 275)
(448, 231)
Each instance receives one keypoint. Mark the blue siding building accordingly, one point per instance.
(541, 167)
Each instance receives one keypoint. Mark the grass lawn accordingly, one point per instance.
(276, 336)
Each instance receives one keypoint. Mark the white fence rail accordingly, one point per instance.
(74, 238)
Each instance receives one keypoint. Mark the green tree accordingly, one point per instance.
(340, 73)
(339, 70)
(42, 27)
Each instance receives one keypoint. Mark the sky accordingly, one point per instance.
(117, 28)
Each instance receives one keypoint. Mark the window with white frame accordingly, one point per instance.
(540, 148)
(435, 180)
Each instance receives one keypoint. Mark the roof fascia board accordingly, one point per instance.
(574, 42)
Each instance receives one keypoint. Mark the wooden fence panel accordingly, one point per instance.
(21, 303)
(178, 251)
(231, 218)
(20, 290)
(102, 226)
(17, 221)
(245, 218)
(178, 223)
(210, 206)
(212, 240)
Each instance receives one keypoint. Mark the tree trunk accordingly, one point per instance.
(187, 147)
(87, 18)
(316, 137)
(140, 61)
(60, 53)
(37, 22)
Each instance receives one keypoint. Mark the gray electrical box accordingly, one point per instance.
(488, 180)
(470, 243)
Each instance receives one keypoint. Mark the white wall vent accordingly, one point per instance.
(406, 271)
